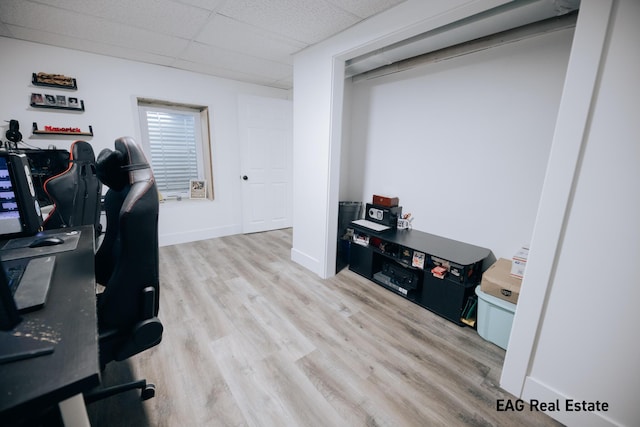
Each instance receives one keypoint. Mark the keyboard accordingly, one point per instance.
(29, 281)
(14, 274)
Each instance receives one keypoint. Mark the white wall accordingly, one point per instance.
(574, 333)
(583, 345)
(109, 87)
(464, 142)
(318, 117)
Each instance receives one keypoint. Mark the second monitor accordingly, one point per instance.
(19, 208)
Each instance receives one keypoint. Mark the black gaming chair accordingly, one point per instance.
(76, 192)
(127, 262)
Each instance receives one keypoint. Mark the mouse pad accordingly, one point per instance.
(19, 248)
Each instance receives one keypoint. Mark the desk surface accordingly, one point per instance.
(442, 247)
(69, 320)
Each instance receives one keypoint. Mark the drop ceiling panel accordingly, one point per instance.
(163, 16)
(290, 18)
(83, 27)
(90, 46)
(246, 40)
(217, 71)
(229, 34)
(210, 5)
(212, 55)
(364, 8)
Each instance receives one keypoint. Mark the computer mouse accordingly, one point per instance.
(46, 241)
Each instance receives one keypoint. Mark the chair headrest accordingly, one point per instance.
(117, 168)
(82, 151)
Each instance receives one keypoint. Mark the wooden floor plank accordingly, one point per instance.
(254, 339)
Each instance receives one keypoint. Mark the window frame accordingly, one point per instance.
(203, 140)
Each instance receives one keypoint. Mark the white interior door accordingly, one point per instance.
(266, 132)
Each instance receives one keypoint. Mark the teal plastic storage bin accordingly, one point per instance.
(495, 318)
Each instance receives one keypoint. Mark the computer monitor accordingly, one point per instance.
(19, 208)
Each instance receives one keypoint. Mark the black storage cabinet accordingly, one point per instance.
(444, 296)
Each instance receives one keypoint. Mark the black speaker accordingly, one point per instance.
(13, 134)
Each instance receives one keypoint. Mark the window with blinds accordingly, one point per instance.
(173, 141)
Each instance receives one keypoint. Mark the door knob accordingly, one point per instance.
(245, 177)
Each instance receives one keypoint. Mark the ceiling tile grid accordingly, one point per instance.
(163, 16)
(91, 46)
(229, 34)
(290, 18)
(247, 40)
(364, 9)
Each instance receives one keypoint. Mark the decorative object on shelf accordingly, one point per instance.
(54, 130)
(418, 260)
(13, 133)
(197, 189)
(54, 80)
(439, 271)
(58, 102)
(405, 222)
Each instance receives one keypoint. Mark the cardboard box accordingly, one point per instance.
(519, 262)
(499, 282)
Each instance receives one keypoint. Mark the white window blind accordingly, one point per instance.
(172, 138)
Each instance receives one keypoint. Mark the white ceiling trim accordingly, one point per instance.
(494, 21)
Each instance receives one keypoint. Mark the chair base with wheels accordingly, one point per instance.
(147, 391)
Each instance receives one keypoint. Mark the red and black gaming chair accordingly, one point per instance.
(127, 262)
(76, 192)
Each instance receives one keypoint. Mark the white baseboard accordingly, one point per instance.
(306, 261)
(535, 390)
(194, 236)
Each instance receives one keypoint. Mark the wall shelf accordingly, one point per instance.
(58, 107)
(61, 131)
(73, 85)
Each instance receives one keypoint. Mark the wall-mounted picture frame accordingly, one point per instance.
(197, 189)
(37, 99)
(56, 102)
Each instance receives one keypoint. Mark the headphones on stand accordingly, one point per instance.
(13, 134)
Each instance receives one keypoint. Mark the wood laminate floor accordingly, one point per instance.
(253, 339)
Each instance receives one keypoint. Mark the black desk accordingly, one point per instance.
(69, 320)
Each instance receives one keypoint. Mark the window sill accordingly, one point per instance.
(179, 199)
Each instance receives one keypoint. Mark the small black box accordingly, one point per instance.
(383, 215)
